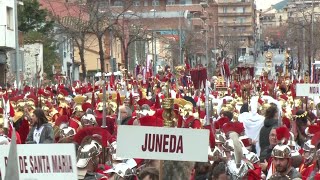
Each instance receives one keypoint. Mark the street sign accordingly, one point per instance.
(160, 143)
(308, 89)
(43, 161)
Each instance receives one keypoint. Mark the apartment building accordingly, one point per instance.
(171, 19)
(274, 16)
(237, 24)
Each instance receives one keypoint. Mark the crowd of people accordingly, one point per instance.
(258, 129)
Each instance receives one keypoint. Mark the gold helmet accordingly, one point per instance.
(79, 100)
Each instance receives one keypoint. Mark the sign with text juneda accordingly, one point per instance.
(163, 143)
(43, 161)
(308, 89)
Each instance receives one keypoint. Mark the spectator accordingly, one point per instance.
(269, 122)
(266, 153)
(41, 131)
(149, 173)
(219, 172)
(125, 115)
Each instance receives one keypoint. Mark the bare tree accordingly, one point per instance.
(230, 42)
(130, 29)
(301, 36)
(71, 19)
(192, 44)
(82, 20)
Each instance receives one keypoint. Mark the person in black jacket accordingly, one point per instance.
(271, 120)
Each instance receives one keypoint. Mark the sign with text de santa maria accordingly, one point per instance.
(308, 89)
(160, 143)
(42, 161)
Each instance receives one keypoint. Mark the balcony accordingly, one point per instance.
(235, 24)
(235, 4)
(228, 14)
(189, 7)
(7, 38)
(236, 33)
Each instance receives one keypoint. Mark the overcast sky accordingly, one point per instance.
(264, 4)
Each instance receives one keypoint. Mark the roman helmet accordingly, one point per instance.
(281, 151)
(89, 148)
(309, 147)
(88, 119)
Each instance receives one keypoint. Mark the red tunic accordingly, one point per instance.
(306, 171)
(193, 123)
(75, 124)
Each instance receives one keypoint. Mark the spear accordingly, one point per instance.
(207, 103)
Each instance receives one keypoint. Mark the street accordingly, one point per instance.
(260, 63)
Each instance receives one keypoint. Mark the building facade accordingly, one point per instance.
(7, 36)
(237, 25)
(175, 30)
(33, 64)
(65, 52)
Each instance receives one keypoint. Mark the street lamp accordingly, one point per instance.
(154, 49)
(205, 29)
(36, 56)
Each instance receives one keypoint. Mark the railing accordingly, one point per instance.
(236, 24)
(235, 14)
(235, 3)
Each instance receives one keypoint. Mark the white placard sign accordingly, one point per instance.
(308, 89)
(43, 161)
(163, 143)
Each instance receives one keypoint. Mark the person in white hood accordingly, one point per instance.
(252, 122)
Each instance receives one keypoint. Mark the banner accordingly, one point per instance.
(308, 89)
(43, 161)
(163, 143)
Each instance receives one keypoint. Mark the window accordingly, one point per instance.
(225, 9)
(9, 18)
(118, 3)
(240, 20)
(171, 2)
(145, 2)
(136, 3)
(64, 43)
(155, 3)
